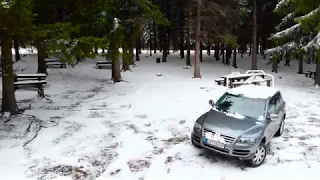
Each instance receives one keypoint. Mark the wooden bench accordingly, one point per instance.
(219, 81)
(310, 74)
(101, 64)
(33, 80)
(55, 63)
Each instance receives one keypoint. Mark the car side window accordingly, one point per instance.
(272, 105)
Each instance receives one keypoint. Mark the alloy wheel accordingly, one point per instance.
(260, 155)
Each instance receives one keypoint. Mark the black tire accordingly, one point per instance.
(281, 129)
(257, 161)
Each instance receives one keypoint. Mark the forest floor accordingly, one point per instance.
(140, 129)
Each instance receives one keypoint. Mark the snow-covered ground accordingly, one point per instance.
(140, 129)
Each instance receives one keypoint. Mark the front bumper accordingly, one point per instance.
(234, 150)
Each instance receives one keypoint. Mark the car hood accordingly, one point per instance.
(225, 124)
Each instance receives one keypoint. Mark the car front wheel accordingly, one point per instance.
(259, 156)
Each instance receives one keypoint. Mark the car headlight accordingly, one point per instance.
(197, 126)
(245, 140)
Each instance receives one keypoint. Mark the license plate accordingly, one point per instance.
(215, 143)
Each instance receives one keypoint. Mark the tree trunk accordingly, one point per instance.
(198, 39)
(168, 40)
(116, 75)
(228, 54)
(41, 59)
(125, 58)
(9, 103)
(139, 45)
(250, 49)
(181, 43)
(254, 36)
(131, 54)
(234, 62)
(223, 52)
(201, 52)
(317, 76)
(154, 38)
(216, 51)
(188, 59)
(300, 70)
(16, 48)
(150, 40)
(137, 51)
(164, 45)
(275, 65)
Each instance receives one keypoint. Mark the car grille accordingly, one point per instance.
(228, 139)
(241, 152)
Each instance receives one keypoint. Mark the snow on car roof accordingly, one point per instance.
(254, 91)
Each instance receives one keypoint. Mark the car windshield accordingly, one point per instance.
(236, 104)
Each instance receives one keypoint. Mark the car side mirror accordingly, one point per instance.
(274, 117)
(211, 102)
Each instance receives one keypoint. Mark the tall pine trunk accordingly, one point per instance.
(16, 48)
(188, 59)
(182, 21)
(254, 37)
(9, 103)
(41, 59)
(317, 76)
(216, 51)
(116, 75)
(137, 51)
(125, 58)
(300, 69)
(182, 43)
(201, 52)
(234, 62)
(164, 45)
(154, 37)
(198, 39)
(131, 54)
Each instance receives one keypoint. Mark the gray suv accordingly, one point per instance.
(241, 123)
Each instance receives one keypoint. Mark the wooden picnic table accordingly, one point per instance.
(310, 74)
(238, 77)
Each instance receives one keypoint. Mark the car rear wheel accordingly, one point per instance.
(281, 129)
(259, 156)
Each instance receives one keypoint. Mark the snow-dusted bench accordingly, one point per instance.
(55, 63)
(101, 64)
(219, 81)
(33, 80)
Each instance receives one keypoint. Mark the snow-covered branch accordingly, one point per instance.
(282, 4)
(309, 15)
(313, 44)
(285, 47)
(292, 31)
(286, 20)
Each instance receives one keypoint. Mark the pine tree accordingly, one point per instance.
(299, 30)
(16, 19)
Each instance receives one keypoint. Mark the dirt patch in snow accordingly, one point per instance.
(138, 165)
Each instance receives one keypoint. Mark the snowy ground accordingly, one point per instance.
(141, 129)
